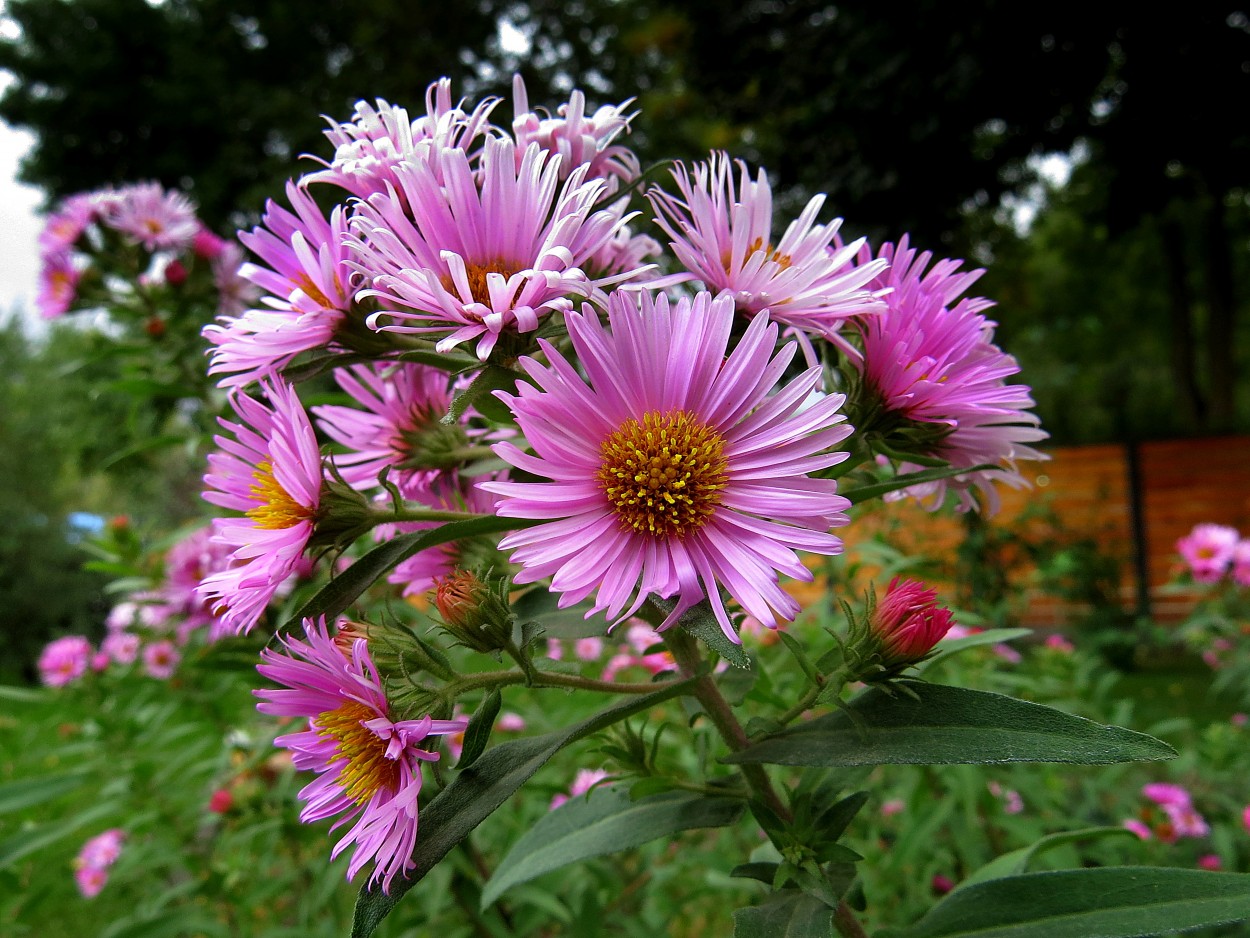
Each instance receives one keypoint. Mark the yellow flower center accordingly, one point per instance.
(153, 226)
(367, 769)
(663, 476)
(304, 282)
(476, 275)
(770, 254)
(276, 508)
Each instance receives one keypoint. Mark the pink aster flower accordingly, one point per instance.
(368, 763)
(65, 226)
(187, 564)
(892, 807)
(588, 649)
(511, 723)
(122, 647)
(308, 285)
(102, 850)
(160, 660)
(1142, 831)
(1056, 642)
(91, 880)
(1245, 818)
(933, 382)
(728, 498)
(583, 782)
(1209, 549)
(578, 139)
(369, 147)
(160, 220)
(400, 423)
(1241, 563)
(479, 255)
(64, 660)
(58, 284)
(271, 472)
(722, 234)
(1210, 861)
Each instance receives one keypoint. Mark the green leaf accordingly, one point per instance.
(1109, 902)
(475, 793)
(32, 791)
(1017, 861)
(22, 694)
(863, 493)
(788, 914)
(480, 395)
(443, 361)
(605, 821)
(700, 621)
(477, 733)
(318, 363)
(949, 726)
(948, 647)
(36, 838)
(336, 596)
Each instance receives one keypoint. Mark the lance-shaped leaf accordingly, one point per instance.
(605, 822)
(336, 596)
(477, 791)
(1017, 861)
(953, 646)
(1108, 902)
(787, 914)
(948, 726)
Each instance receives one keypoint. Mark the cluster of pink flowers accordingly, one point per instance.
(1214, 551)
(88, 229)
(94, 859)
(1180, 819)
(658, 446)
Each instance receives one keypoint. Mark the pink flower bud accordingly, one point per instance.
(1210, 861)
(908, 622)
(175, 273)
(221, 801)
(207, 245)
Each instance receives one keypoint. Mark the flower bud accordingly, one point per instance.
(155, 327)
(477, 615)
(895, 633)
(175, 273)
(908, 622)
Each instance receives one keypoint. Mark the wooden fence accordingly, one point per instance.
(1134, 501)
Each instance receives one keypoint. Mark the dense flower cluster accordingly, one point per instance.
(1214, 551)
(94, 859)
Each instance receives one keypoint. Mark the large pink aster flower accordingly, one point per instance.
(580, 140)
(369, 147)
(271, 472)
(368, 762)
(400, 425)
(160, 220)
(309, 289)
(930, 369)
(677, 470)
(65, 226)
(722, 234)
(477, 255)
(1209, 549)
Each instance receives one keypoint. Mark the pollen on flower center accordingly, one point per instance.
(476, 275)
(663, 476)
(313, 292)
(770, 254)
(276, 509)
(367, 769)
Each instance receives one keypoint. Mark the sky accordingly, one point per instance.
(19, 222)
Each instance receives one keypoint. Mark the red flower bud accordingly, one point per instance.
(175, 273)
(908, 622)
(221, 801)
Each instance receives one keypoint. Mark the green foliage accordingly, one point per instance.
(929, 724)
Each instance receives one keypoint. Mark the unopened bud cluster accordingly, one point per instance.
(895, 633)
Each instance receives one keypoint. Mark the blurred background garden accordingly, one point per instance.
(1095, 159)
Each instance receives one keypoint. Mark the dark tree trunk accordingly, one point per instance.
(1222, 307)
(1181, 325)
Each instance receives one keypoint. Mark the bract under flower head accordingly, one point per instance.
(722, 234)
(160, 220)
(1208, 550)
(271, 473)
(677, 470)
(369, 147)
(308, 283)
(368, 763)
(932, 366)
(476, 255)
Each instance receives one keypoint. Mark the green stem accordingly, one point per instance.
(423, 514)
(690, 662)
(549, 679)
